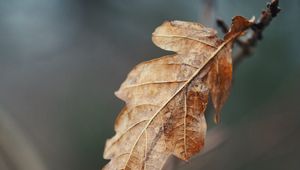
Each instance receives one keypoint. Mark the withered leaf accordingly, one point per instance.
(166, 97)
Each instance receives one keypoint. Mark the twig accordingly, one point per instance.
(258, 27)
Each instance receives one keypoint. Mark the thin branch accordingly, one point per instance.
(223, 26)
(258, 27)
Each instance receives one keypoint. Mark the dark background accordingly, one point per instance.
(61, 61)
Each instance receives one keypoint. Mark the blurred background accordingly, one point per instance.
(62, 60)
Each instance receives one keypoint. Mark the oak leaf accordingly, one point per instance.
(166, 97)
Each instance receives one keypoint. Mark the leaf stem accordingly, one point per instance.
(258, 27)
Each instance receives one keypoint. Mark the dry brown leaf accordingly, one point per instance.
(166, 97)
(219, 80)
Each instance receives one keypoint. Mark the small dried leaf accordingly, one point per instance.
(166, 97)
(239, 25)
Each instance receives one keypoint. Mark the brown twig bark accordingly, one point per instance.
(258, 27)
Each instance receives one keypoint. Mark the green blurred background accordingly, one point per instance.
(62, 60)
